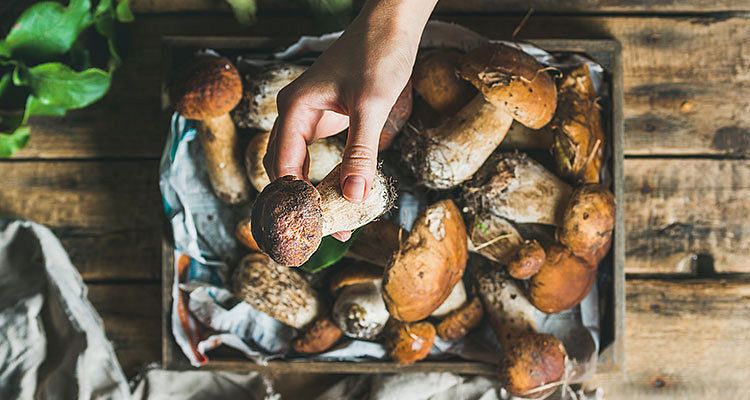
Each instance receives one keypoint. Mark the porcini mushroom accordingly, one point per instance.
(494, 237)
(359, 310)
(244, 234)
(429, 263)
(535, 360)
(275, 290)
(578, 145)
(562, 282)
(409, 342)
(319, 337)
(376, 243)
(290, 216)
(325, 155)
(257, 110)
(515, 187)
(513, 85)
(206, 92)
(528, 260)
(436, 81)
(588, 223)
(397, 118)
(455, 300)
(461, 320)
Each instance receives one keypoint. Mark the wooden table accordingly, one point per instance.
(92, 177)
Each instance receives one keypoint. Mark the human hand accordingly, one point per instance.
(354, 84)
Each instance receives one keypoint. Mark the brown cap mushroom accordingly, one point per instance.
(494, 237)
(244, 234)
(319, 337)
(257, 110)
(461, 320)
(588, 223)
(290, 216)
(428, 265)
(513, 85)
(376, 242)
(578, 147)
(562, 282)
(527, 261)
(535, 360)
(408, 343)
(437, 82)
(397, 118)
(325, 155)
(515, 187)
(206, 91)
(359, 309)
(275, 290)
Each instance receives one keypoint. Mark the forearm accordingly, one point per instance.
(404, 18)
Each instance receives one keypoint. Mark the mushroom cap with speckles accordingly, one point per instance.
(588, 222)
(534, 360)
(513, 81)
(562, 282)
(208, 88)
(409, 342)
(286, 220)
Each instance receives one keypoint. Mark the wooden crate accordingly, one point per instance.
(605, 52)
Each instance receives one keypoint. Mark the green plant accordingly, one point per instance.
(329, 14)
(46, 67)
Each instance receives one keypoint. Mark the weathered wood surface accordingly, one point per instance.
(684, 339)
(603, 6)
(107, 214)
(687, 82)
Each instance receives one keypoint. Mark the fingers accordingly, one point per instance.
(342, 236)
(287, 146)
(360, 156)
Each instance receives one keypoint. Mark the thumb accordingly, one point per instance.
(359, 162)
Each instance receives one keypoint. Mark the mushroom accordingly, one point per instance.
(257, 110)
(325, 155)
(562, 282)
(513, 85)
(589, 222)
(461, 320)
(514, 186)
(527, 261)
(535, 360)
(494, 237)
(429, 263)
(397, 118)
(578, 146)
(290, 216)
(455, 300)
(319, 337)
(437, 82)
(376, 243)
(359, 310)
(520, 137)
(206, 92)
(409, 342)
(275, 290)
(244, 234)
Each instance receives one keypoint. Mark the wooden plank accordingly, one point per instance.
(675, 104)
(685, 339)
(131, 315)
(107, 214)
(677, 209)
(499, 6)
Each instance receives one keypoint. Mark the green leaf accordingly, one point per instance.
(105, 20)
(244, 10)
(36, 108)
(56, 84)
(329, 252)
(123, 11)
(47, 29)
(12, 142)
(4, 82)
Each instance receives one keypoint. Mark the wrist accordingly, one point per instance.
(405, 18)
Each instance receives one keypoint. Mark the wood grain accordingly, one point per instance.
(687, 82)
(107, 214)
(685, 339)
(677, 209)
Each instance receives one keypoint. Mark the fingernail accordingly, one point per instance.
(354, 188)
(342, 236)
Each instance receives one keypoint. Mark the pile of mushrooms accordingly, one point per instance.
(504, 240)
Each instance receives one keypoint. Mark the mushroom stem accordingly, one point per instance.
(218, 137)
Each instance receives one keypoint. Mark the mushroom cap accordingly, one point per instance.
(244, 234)
(319, 337)
(278, 291)
(534, 360)
(398, 117)
(359, 310)
(437, 82)
(461, 320)
(287, 220)
(358, 272)
(527, 261)
(210, 87)
(513, 81)
(422, 274)
(494, 237)
(588, 222)
(409, 342)
(562, 282)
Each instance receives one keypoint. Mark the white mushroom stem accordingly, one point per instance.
(456, 299)
(325, 155)
(454, 150)
(339, 214)
(218, 138)
(258, 110)
(359, 310)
